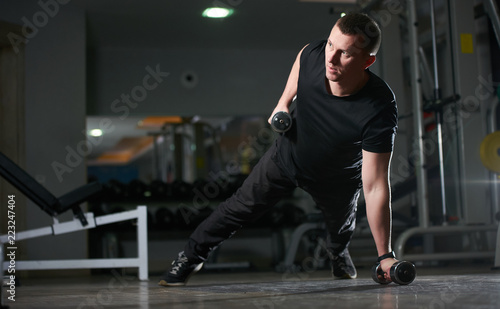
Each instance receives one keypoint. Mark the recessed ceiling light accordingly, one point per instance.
(95, 132)
(217, 12)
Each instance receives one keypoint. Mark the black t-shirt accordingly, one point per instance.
(329, 132)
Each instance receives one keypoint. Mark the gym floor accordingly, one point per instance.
(456, 286)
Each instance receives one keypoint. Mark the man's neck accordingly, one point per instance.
(347, 88)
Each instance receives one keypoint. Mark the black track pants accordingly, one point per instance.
(263, 188)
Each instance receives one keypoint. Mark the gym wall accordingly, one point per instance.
(55, 63)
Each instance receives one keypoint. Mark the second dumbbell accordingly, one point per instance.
(281, 122)
(402, 272)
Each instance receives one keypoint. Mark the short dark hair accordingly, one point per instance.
(362, 24)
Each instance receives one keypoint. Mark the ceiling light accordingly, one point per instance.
(217, 12)
(95, 132)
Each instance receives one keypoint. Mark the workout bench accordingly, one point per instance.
(56, 206)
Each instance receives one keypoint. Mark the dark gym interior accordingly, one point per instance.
(123, 124)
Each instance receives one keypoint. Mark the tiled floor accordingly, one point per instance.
(436, 287)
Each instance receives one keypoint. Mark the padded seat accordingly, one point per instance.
(42, 197)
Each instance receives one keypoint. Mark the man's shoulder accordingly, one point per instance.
(314, 46)
(379, 87)
(312, 53)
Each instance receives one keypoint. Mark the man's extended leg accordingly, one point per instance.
(263, 188)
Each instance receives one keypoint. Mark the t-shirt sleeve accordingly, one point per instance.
(380, 132)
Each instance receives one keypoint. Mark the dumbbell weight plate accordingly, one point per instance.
(377, 271)
(403, 272)
(281, 122)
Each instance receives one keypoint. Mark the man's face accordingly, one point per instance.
(343, 59)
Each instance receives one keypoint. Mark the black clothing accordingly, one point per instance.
(322, 154)
(329, 132)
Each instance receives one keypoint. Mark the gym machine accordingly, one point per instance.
(436, 105)
(180, 149)
(55, 206)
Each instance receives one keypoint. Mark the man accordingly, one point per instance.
(341, 140)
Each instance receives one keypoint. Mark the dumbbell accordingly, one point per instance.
(160, 190)
(164, 219)
(138, 189)
(402, 272)
(281, 122)
(181, 189)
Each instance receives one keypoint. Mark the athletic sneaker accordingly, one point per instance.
(180, 272)
(342, 266)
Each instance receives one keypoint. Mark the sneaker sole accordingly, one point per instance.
(165, 283)
(345, 276)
